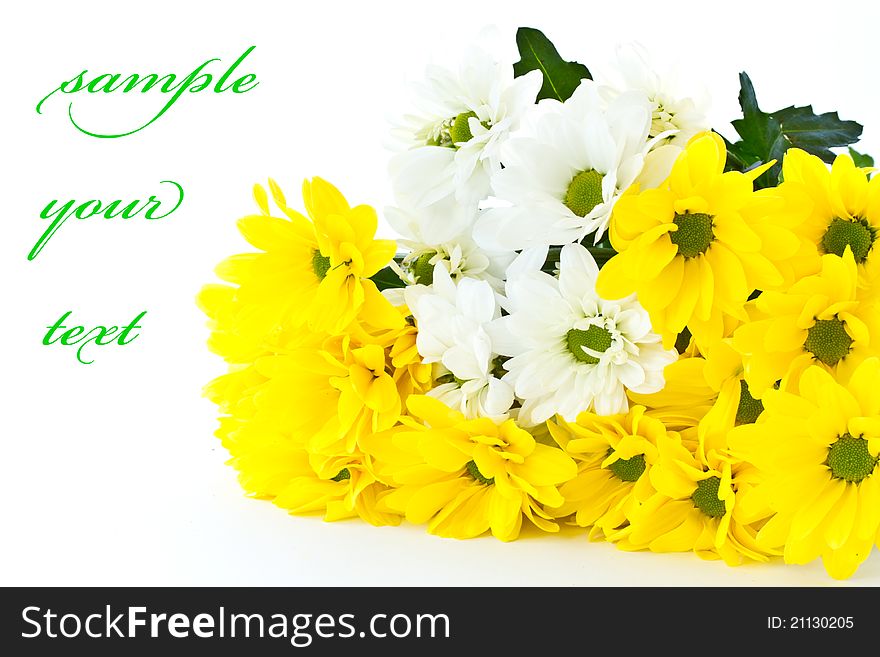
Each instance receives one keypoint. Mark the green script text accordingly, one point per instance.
(93, 207)
(196, 81)
(100, 335)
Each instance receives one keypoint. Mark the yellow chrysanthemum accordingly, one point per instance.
(819, 450)
(331, 390)
(234, 392)
(295, 410)
(696, 507)
(270, 289)
(708, 392)
(346, 239)
(274, 464)
(310, 270)
(614, 455)
(466, 477)
(733, 404)
(822, 319)
(704, 398)
(696, 247)
(830, 209)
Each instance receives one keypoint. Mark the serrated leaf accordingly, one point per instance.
(537, 53)
(817, 133)
(862, 160)
(387, 278)
(760, 132)
(767, 136)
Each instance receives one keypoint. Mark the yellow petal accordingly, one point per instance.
(441, 452)
(865, 386)
(736, 233)
(843, 562)
(378, 310)
(682, 538)
(363, 220)
(660, 292)
(815, 506)
(382, 394)
(321, 198)
(546, 466)
(837, 531)
(654, 257)
(868, 518)
(731, 284)
(783, 334)
(427, 501)
(433, 411)
(505, 516)
(682, 307)
(614, 281)
(707, 290)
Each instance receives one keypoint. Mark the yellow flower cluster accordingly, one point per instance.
(319, 358)
(772, 296)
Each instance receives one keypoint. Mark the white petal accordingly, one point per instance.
(423, 175)
(498, 397)
(462, 363)
(630, 374)
(476, 300)
(611, 403)
(577, 273)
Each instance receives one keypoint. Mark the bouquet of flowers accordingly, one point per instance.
(600, 312)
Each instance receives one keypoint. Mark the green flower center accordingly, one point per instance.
(584, 192)
(706, 499)
(828, 341)
(628, 469)
(320, 264)
(460, 130)
(859, 235)
(476, 475)
(342, 475)
(694, 235)
(849, 458)
(422, 269)
(456, 130)
(595, 338)
(749, 408)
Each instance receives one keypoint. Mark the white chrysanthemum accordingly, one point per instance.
(452, 319)
(571, 350)
(453, 141)
(562, 182)
(676, 115)
(431, 240)
(673, 112)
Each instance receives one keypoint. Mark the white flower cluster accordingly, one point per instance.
(487, 181)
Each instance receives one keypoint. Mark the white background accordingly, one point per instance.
(109, 472)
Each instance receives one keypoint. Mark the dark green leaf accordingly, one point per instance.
(767, 136)
(737, 158)
(387, 278)
(817, 133)
(861, 159)
(748, 101)
(537, 53)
